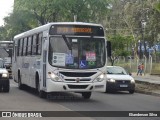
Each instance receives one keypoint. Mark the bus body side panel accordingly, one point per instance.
(44, 56)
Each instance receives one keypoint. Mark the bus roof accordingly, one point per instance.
(47, 27)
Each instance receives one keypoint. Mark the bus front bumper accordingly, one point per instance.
(75, 87)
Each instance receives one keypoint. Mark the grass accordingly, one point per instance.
(132, 67)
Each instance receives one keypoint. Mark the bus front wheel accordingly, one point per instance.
(86, 95)
(41, 93)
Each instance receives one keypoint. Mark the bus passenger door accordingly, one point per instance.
(44, 57)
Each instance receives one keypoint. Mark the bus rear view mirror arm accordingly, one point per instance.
(109, 48)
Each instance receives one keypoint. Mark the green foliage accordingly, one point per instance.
(121, 17)
(120, 44)
(63, 10)
(2, 30)
(157, 6)
(125, 53)
(28, 14)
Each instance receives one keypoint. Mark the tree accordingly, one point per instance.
(29, 14)
(125, 19)
(64, 10)
(119, 46)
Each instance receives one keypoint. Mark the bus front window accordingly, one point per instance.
(77, 52)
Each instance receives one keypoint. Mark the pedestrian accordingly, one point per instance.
(142, 69)
(139, 69)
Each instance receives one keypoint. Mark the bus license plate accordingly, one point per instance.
(123, 85)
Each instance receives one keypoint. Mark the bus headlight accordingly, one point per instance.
(54, 77)
(100, 78)
(4, 75)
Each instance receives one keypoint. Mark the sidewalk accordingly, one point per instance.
(152, 81)
(147, 78)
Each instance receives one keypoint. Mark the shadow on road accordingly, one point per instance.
(119, 92)
(60, 96)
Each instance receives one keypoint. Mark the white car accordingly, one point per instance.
(4, 77)
(119, 80)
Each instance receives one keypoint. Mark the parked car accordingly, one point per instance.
(119, 80)
(4, 77)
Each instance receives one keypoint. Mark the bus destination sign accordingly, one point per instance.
(76, 30)
(64, 30)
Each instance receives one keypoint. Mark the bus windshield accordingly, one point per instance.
(76, 52)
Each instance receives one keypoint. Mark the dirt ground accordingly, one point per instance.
(147, 87)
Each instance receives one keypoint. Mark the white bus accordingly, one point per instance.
(61, 57)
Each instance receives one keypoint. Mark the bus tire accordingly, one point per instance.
(37, 82)
(41, 93)
(20, 85)
(86, 95)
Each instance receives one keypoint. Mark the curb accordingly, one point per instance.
(146, 82)
(147, 92)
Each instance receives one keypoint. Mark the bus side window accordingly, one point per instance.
(34, 44)
(29, 46)
(25, 46)
(39, 44)
(21, 47)
(18, 48)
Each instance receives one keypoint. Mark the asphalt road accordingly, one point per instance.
(19, 100)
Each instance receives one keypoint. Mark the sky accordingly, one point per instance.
(6, 7)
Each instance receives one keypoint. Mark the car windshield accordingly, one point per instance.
(77, 52)
(1, 64)
(116, 70)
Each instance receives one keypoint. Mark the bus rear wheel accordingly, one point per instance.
(20, 85)
(86, 95)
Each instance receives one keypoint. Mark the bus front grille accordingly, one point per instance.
(81, 80)
(77, 86)
(78, 74)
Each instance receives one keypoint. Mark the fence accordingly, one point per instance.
(151, 64)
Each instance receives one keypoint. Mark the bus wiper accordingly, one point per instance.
(69, 45)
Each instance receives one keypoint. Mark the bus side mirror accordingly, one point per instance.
(109, 49)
